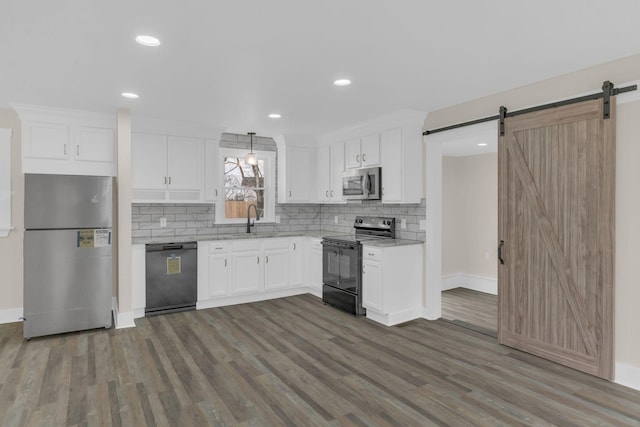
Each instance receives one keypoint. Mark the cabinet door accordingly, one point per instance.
(247, 268)
(324, 174)
(148, 161)
(370, 150)
(315, 265)
(276, 271)
(47, 141)
(296, 262)
(219, 274)
(185, 157)
(337, 168)
(298, 167)
(352, 156)
(211, 168)
(94, 144)
(392, 173)
(372, 285)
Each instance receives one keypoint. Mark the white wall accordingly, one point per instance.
(627, 318)
(470, 215)
(11, 246)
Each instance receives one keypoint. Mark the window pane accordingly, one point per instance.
(239, 174)
(238, 200)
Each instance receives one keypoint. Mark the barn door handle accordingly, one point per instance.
(500, 246)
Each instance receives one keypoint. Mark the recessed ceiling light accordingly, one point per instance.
(130, 95)
(342, 82)
(482, 144)
(274, 116)
(148, 41)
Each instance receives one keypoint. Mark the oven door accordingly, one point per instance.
(341, 265)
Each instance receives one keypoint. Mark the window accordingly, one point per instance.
(245, 185)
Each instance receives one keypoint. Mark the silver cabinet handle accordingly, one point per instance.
(363, 269)
(216, 190)
(357, 158)
(363, 159)
(258, 258)
(64, 149)
(165, 180)
(266, 259)
(294, 246)
(326, 193)
(77, 150)
(382, 191)
(225, 262)
(331, 193)
(169, 180)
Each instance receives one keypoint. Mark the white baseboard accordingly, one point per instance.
(315, 291)
(11, 315)
(628, 375)
(122, 320)
(395, 318)
(470, 281)
(431, 314)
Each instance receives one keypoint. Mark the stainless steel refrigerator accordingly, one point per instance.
(67, 253)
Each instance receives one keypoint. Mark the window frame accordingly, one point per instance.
(269, 158)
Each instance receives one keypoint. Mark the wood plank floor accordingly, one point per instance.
(293, 362)
(472, 307)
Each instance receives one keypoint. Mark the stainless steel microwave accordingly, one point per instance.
(361, 184)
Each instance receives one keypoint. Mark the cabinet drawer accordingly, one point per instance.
(371, 252)
(215, 247)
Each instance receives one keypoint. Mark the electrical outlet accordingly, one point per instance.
(163, 222)
(403, 223)
(277, 219)
(423, 224)
(336, 219)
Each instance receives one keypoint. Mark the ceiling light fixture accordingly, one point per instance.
(482, 144)
(130, 95)
(274, 116)
(251, 158)
(342, 82)
(147, 41)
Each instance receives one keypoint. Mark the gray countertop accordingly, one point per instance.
(242, 236)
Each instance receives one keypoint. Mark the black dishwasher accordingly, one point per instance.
(171, 277)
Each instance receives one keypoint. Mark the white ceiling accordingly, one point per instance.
(231, 62)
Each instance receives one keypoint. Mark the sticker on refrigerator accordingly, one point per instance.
(174, 265)
(101, 238)
(85, 238)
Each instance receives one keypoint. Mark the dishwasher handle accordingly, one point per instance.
(159, 247)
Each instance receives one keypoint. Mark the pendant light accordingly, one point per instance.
(251, 158)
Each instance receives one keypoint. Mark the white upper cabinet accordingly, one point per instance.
(330, 166)
(67, 142)
(296, 168)
(392, 176)
(362, 152)
(185, 163)
(167, 169)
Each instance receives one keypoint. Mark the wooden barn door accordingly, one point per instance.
(556, 220)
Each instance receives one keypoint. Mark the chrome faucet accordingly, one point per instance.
(249, 224)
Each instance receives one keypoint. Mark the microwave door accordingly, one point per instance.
(366, 186)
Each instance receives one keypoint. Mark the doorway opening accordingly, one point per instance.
(462, 224)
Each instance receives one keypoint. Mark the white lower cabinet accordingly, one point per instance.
(297, 254)
(246, 270)
(218, 264)
(392, 283)
(246, 266)
(276, 263)
(314, 266)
